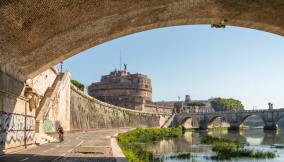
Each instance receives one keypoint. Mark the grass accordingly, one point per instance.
(184, 155)
(191, 129)
(227, 149)
(218, 128)
(130, 142)
(215, 140)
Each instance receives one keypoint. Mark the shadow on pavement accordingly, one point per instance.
(48, 158)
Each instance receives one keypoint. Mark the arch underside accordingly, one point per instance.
(281, 117)
(250, 115)
(190, 122)
(218, 121)
(35, 35)
(216, 117)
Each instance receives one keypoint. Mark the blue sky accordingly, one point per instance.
(203, 62)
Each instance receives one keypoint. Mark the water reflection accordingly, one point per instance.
(190, 142)
(187, 143)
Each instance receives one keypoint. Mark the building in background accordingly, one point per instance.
(194, 106)
(199, 106)
(160, 107)
(132, 91)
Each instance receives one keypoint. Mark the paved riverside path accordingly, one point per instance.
(97, 143)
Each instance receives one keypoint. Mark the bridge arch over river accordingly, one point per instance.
(235, 119)
(35, 35)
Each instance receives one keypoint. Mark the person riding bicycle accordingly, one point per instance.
(60, 133)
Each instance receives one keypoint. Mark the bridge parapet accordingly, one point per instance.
(245, 111)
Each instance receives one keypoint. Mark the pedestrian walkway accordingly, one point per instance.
(80, 146)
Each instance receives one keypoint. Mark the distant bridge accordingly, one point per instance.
(234, 118)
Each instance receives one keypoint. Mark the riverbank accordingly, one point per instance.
(132, 142)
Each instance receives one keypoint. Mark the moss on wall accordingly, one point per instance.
(88, 113)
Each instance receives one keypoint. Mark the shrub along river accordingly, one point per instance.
(245, 145)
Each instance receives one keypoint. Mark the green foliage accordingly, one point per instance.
(196, 104)
(81, 108)
(184, 155)
(215, 140)
(218, 128)
(227, 149)
(78, 84)
(221, 104)
(130, 142)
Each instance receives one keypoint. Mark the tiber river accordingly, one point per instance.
(256, 139)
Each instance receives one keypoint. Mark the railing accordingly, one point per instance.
(229, 112)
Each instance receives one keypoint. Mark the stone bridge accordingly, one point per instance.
(35, 35)
(235, 119)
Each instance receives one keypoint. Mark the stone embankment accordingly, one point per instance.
(89, 113)
(52, 101)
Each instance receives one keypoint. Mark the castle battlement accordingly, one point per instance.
(132, 91)
(123, 89)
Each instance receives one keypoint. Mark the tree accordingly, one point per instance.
(222, 104)
(78, 84)
(195, 103)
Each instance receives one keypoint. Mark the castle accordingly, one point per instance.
(194, 106)
(132, 91)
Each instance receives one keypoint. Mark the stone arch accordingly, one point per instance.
(189, 122)
(212, 119)
(241, 121)
(215, 117)
(281, 117)
(37, 35)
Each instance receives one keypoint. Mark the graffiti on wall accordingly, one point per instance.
(50, 126)
(9, 121)
(47, 126)
(18, 137)
(13, 131)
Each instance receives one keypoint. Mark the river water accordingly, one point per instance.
(255, 139)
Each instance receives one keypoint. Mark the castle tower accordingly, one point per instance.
(187, 98)
(123, 89)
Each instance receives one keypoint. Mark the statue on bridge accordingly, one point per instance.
(125, 67)
(270, 106)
